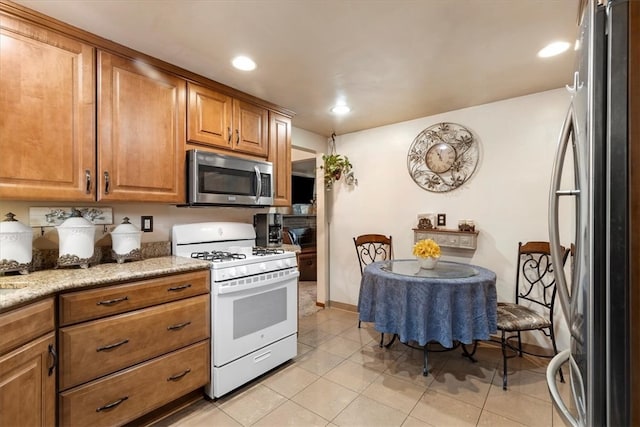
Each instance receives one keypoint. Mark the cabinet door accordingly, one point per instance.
(209, 117)
(28, 385)
(280, 156)
(250, 128)
(47, 109)
(141, 137)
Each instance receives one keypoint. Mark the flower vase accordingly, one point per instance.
(428, 263)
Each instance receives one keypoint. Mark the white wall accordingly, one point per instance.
(507, 197)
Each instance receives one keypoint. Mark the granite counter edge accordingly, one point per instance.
(46, 283)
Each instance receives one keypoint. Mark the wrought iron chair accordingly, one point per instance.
(535, 302)
(371, 248)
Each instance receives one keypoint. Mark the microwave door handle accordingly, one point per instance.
(554, 195)
(259, 182)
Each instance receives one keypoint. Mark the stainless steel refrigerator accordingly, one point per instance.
(597, 296)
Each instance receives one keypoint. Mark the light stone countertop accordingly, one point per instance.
(19, 289)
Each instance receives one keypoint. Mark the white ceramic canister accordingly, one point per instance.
(125, 238)
(76, 237)
(16, 240)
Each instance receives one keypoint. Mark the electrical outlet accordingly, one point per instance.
(146, 223)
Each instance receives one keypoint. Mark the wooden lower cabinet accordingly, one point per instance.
(147, 347)
(28, 366)
(129, 394)
(99, 347)
(28, 384)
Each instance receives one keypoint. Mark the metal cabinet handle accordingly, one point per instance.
(106, 182)
(179, 288)
(112, 404)
(556, 398)
(112, 301)
(237, 137)
(87, 177)
(229, 133)
(178, 326)
(54, 361)
(110, 346)
(178, 376)
(554, 228)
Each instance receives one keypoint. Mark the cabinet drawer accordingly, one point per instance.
(90, 350)
(24, 324)
(93, 304)
(138, 390)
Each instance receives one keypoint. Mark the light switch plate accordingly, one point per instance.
(146, 223)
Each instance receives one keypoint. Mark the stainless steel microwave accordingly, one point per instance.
(217, 179)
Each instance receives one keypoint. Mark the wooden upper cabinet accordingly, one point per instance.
(47, 110)
(250, 128)
(219, 121)
(209, 117)
(280, 156)
(141, 136)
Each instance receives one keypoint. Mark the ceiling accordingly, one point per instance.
(390, 60)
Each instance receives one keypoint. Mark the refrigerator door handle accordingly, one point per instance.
(558, 403)
(554, 195)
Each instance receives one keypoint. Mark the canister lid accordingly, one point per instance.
(11, 225)
(125, 228)
(76, 220)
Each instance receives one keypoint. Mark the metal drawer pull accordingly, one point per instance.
(178, 326)
(112, 404)
(110, 346)
(112, 301)
(179, 288)
(178, 376)
(54, 356)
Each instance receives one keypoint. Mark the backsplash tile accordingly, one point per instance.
(45, 259)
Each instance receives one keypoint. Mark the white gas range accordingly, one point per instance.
(254, 298)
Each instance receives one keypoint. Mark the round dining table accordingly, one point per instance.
(454, 303)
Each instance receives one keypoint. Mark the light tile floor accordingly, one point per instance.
(341, 377)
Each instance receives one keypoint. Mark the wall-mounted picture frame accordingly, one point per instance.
(442, 220)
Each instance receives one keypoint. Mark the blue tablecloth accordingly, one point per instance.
(428, 309)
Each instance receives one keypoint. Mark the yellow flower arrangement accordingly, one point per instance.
(426, 248)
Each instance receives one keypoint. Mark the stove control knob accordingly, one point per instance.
(279, 263)
(243, 270)
(263, 266)
(232, 272)
(288, 262)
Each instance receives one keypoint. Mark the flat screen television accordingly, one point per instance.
(302, 189)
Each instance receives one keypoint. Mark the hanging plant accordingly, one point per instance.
(336, 166)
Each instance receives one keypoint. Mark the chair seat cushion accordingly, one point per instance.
(514, 317)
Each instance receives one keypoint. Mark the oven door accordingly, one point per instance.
(250, 319)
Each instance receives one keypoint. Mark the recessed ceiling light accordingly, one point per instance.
(243, 63)
(340, 109)
(553, 49)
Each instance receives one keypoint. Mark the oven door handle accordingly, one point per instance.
(234, 285)
(258, 182)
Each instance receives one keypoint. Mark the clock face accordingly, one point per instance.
(443, 157)
(440, 157)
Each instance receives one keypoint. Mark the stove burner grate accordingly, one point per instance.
(217, 256)
(259, 251)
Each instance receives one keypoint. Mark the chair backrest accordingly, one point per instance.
(373, 247)
(535, 281)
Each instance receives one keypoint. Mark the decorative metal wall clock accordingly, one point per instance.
(443, 157)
